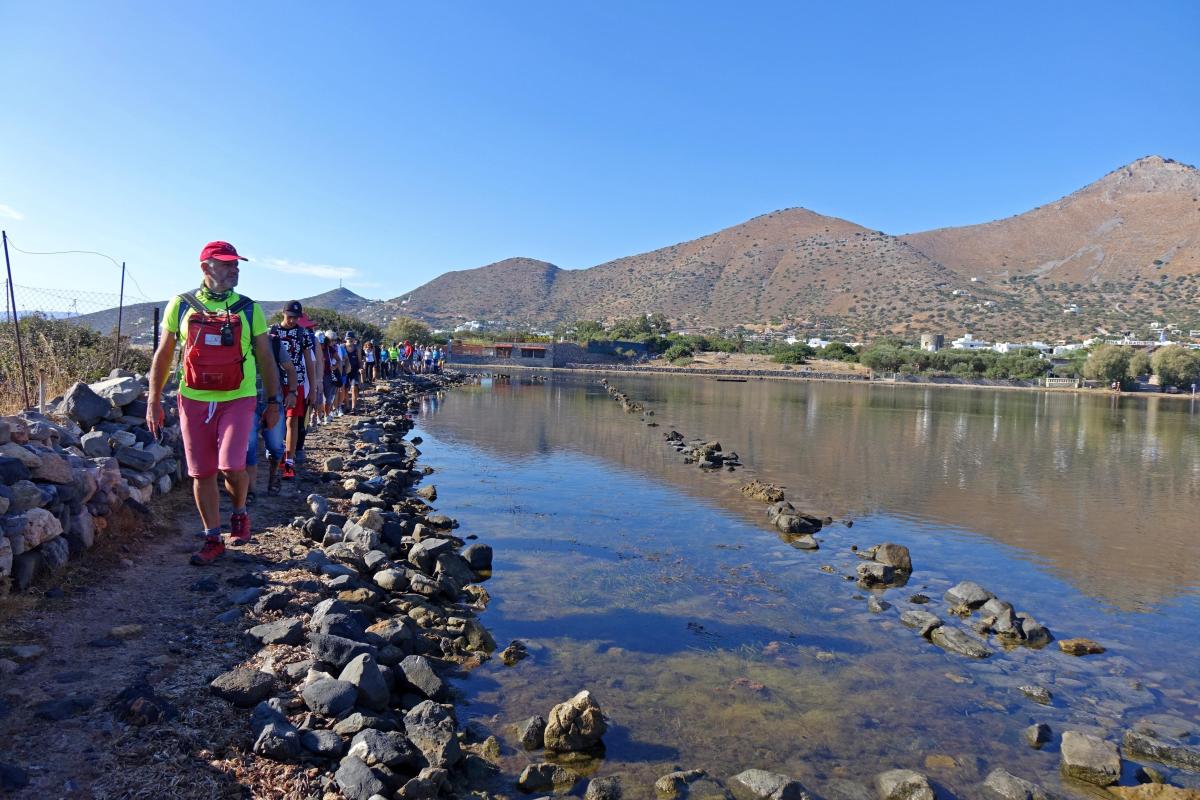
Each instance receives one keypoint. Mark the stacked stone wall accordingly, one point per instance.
(63, 474)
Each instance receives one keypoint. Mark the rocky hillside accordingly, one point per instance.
(1116, 255)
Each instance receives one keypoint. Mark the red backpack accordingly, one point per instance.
(212, 350)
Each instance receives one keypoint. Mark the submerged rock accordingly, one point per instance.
(1036, 735)
(903, 784)
(1167, 739)
(1003, 785)
(958, 641)
(1090, 759)
(547, 777)
(686, 784)
(1080, 647)
(531, 733)
(758, 784)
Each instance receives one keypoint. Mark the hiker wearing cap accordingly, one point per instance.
(327, 351)
(224, 338)
(301, 346)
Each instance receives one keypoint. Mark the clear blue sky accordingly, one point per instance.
(389, 142)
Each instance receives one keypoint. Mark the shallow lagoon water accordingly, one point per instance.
(711, 643)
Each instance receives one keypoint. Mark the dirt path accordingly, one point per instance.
(133, 616)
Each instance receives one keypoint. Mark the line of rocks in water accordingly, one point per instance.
(64, 474)
(1163, 738)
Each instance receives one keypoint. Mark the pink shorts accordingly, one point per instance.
(215, 434)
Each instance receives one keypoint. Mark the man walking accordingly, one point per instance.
(301, 346)
(224, 344)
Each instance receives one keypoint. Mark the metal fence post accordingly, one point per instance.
(12, 300)
(120, 315)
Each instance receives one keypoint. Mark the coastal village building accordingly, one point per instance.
(968, 342)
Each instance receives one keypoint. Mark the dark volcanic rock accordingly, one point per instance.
(243, 687)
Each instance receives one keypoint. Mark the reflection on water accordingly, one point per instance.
(711, 643)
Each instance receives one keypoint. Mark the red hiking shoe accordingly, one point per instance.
(213, 549)
(288, 470)
(239, 528)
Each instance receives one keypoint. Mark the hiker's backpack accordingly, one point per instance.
(212, 349)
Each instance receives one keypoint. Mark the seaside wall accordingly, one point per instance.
(65, 473)
(556, 354)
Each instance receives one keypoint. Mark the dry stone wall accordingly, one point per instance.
(64, 474)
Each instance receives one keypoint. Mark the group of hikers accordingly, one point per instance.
(382, 361)
(240, 378)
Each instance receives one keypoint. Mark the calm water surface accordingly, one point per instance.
(711, 643)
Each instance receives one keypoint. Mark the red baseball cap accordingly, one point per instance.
(222, 251)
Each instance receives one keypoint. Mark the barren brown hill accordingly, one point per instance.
(1142, 220)
(791, 266)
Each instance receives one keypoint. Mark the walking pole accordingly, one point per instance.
(12, 299)
(120, 314)
(156, 332)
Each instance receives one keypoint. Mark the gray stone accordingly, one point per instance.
(318, 505)
(575, 725)
(392, 580)
(479, 557)
(872, 573)
(1033, 633)
(118, 391)
(969, 594)
(279, 741)
(1038, 694)
(1165, 738)
(895, 556)
(55, 553)
(357, 781)
(326, 744)
(691, 784)
(877, 606)
(921, 621)
(363, 673)
(95, 444)
(12, 470)
(1090, 759)
(607, 788)
(530, 733)
(24, 495)
(903, 784)
(356, 722)
(431, 728)
(336, 650)
(285, 631)
(52, 468)
(84, 406)
(243, 687)
(330, 697)
(1036, 735)
(423, 554)
(547, 778)
(1003, 785)
(419, 674)
(758, 784)
(385, 748)
(956, 640)
(134, 458)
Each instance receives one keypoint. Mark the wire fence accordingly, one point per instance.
(53, 336)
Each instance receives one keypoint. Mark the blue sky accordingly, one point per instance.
(386, 143)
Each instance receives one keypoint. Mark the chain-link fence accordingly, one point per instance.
(53, 336)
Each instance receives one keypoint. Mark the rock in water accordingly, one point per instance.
(1165, 738)
(958, 641)
(1090, 759)
(531, 733)
(1003, 785)
(969, 594)
(547, 777)
(758, 784)
(1080, 647)
(432, 730)
(895, 556)
(1036, 735)
(903, 784)
(608, 788)
(577, 724)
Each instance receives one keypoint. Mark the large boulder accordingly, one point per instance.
(41, 526)
(84, 406)
(364, 674)
(118, 391)
(895, 556)
(1090, 759)
(431, 728)
(577, 724)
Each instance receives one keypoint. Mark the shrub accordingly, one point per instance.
(677, 351)
(793, 354)
(1107, 363)
(1176, 365)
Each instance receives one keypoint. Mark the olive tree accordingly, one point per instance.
(1107, 363)
(1139, 364)
(1176, 365)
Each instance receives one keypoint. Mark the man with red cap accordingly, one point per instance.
(224, 338)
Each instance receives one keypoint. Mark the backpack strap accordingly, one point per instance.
(188, 300)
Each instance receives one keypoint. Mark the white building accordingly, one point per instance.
(967, 342)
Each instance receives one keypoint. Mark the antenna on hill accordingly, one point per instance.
(339, 283)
